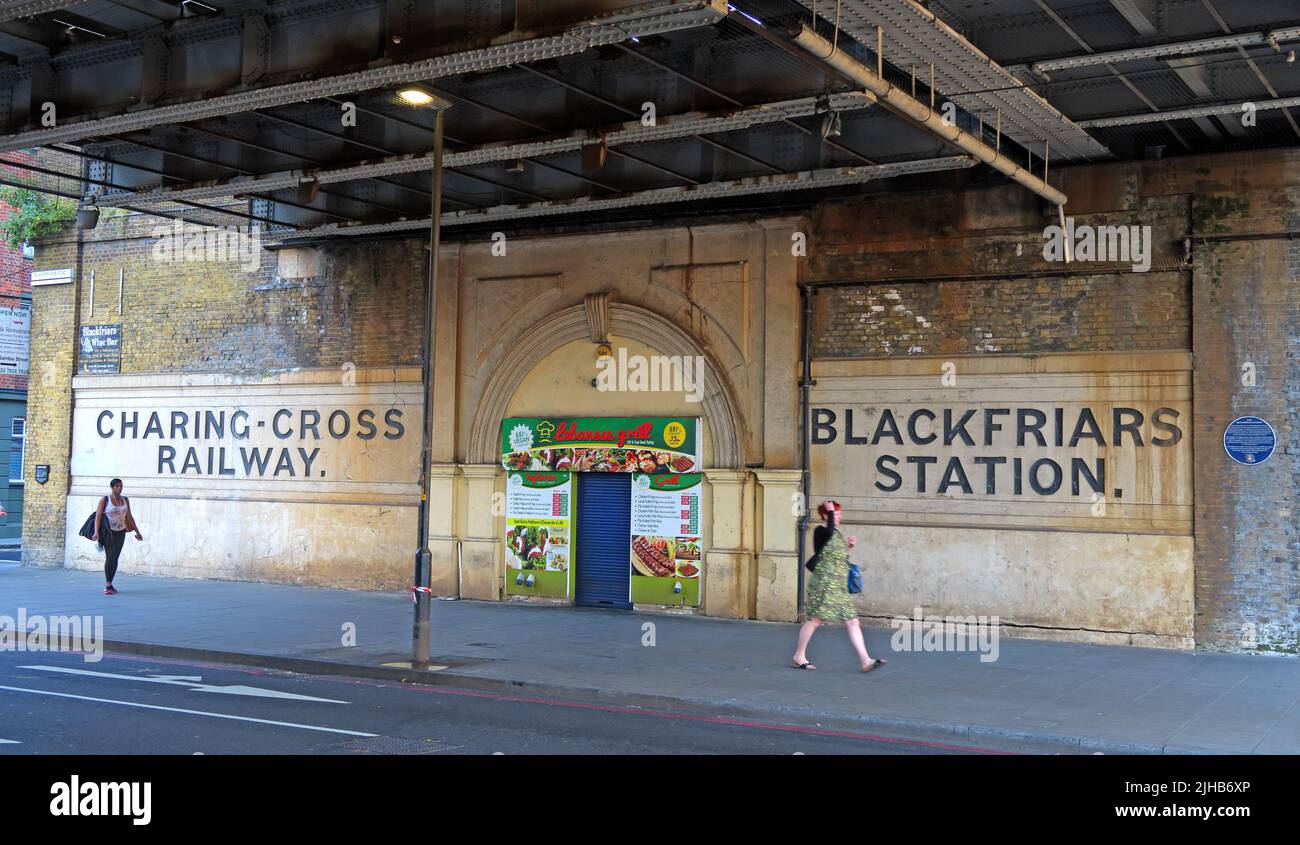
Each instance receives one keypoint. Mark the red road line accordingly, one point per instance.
(223, 667)
(668, 714)
(603, 708)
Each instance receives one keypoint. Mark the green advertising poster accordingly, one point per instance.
(652, 445)
(667, 557)
(538, 533)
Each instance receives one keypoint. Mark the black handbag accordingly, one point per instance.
(820, 536)
(88, 527)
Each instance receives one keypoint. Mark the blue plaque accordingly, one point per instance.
(1249, 440)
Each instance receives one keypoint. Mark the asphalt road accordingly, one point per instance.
(55, 703)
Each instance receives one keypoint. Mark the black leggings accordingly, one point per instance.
(112, 551)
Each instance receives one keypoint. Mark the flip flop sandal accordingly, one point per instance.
(802, 665)
(879, 661)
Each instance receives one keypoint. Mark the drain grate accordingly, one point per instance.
(396, 745)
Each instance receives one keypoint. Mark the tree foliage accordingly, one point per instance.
(33, 215)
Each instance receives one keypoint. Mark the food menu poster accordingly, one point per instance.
(539, 531)
(652, 445)
(666, 526)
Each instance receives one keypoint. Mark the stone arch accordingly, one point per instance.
(720, 410)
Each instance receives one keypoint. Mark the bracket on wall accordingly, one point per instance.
(597, 307)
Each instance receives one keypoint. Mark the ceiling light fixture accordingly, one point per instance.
(415, 96)
(832, 126)
(87, 214)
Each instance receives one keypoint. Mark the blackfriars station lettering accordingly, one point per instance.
(214, 433)
(991, 474)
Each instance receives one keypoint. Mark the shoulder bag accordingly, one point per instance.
(88, 527)
(820, 536)
(855, 578)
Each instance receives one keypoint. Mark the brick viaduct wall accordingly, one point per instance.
(1247, 305)
(360, 305)
(916, 237)
(1237, 302)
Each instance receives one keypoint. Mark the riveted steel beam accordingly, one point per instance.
(632, 132)
(646, 19)
(804, 180)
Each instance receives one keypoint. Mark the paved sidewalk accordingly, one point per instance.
(1108, 698)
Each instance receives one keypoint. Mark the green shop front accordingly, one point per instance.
(604, 511)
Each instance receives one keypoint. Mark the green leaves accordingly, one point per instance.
(33, 215)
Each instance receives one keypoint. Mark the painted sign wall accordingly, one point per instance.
(284, 438)
(1052, 490)
(309, 477)
(1093, 451)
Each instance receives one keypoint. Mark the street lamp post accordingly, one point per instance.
(423, 556)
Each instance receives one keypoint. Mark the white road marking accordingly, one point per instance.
(9, 742)
(190, 712)
(191, 681)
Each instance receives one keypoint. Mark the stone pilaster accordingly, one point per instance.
(777, 589)
(729, 568)
(444, 578)
(480, 566)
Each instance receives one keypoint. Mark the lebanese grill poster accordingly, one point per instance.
(666, 537)
(656, 445)
(538, 532)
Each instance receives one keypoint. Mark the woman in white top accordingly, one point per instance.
(112, 522)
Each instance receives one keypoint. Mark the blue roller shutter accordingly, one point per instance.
(603, 577)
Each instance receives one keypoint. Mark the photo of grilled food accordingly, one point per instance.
(653, 556)
(687, 548)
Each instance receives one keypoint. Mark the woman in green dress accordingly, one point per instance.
(828, 598)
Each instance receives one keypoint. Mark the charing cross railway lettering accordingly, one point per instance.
(1032, 428)
(226, 427)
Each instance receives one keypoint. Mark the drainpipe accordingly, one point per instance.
(898, 101)
(806, 294)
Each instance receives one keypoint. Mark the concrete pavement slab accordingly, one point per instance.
(1108, 697)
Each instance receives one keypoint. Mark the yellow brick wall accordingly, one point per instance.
(49, 409)
(363, 309)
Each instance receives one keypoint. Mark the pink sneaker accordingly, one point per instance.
(110, 590)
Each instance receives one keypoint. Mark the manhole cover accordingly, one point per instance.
(396, 745)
